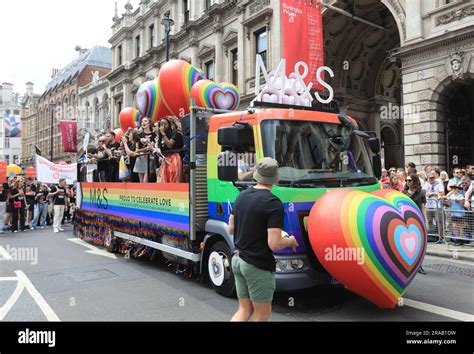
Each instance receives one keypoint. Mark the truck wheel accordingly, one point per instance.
(220, 269)
(109, 242)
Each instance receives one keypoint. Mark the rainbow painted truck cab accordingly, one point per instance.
(316, 152)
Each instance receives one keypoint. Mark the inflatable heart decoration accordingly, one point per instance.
(175, 80)
(149, 101)
(374, 244)
(209, 94)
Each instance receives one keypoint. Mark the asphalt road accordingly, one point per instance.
(68, 281)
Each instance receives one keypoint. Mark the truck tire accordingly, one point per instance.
(220, 269)
(110, 242)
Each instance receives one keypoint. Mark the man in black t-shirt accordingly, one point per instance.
(257, 223)
(59, 195)
(3, 205)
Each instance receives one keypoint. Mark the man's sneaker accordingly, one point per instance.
(60, 229)
(42, 227)
(15, 231)
(56, 231)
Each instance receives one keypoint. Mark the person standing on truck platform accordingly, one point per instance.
(257, 223)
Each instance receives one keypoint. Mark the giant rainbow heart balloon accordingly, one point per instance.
(129, 117)
(175, 80)
(209, 94)
(149, 101)
(373, 243)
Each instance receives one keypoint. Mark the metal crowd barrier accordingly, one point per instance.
(435, 224)
(459, 227)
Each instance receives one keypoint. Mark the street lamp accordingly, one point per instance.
(167, 22)
(52, 106)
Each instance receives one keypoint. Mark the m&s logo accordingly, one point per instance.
(98, 198)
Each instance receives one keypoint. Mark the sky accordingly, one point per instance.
(39, 35)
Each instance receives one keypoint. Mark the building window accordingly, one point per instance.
(137, 46)
(151, 30)
(119, 55)
(209, 67)
(262, 45)
(7, 143)
(7, 158)
(208, 4)
(234, 55)
(186, 11)
(8, 111)
(16, 112)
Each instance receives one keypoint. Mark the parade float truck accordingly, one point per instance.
(186, 223)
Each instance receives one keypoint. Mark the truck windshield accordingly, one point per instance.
(317, 154)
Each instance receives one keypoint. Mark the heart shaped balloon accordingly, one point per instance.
(209, 94)
(129, 117)
(373, 243)
(175, 80)
(149, 101)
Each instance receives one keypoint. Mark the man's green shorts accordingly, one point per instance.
(251, 282)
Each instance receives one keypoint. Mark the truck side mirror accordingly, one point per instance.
(239, 134)
(374, 144)
(377, 166)
(227, 166)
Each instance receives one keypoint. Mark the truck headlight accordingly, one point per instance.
(289, 265)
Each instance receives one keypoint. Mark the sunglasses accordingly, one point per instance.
(409, 180)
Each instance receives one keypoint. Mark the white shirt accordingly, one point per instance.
(433, 202)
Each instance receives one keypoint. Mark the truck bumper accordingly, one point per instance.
(299, 279)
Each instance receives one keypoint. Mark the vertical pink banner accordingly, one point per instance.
(302, 36)
(69, 135)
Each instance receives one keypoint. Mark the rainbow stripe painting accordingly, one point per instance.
(165, 205)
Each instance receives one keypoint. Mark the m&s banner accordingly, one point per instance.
(48, 172)
(69, 134)
(302, 36)
(166, 205)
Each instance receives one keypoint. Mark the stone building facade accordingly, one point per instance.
(60, 100)
(222, 37)
(392, 61)
(438, 79)
(95, 113)
(29, 109)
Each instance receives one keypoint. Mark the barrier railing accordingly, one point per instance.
(458, 227)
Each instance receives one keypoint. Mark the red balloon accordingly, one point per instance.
(175, 80)
(128, 118)
(118, 134)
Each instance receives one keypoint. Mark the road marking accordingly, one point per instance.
(461, 316)
(39, 299)
(5, 255)
(12, 300)
(93, 249)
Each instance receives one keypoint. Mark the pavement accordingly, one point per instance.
(463, 253)
(65, 279)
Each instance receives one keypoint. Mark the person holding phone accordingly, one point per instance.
(257, 222)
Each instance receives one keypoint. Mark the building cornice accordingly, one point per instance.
(453, 38)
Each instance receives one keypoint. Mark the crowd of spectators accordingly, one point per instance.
(432, 189)
(26, 204)
(152, 152)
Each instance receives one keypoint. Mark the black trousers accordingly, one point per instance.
(18, 216)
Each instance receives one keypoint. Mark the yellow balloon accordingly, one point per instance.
(14, 168)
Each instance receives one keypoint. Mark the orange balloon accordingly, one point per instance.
(129, 118)
(175, 80)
